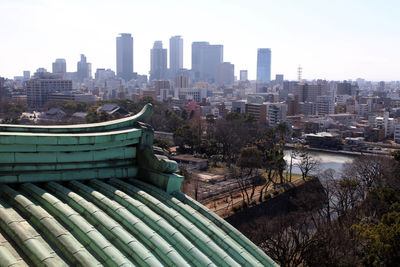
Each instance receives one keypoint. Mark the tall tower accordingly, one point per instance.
(263, 65)
(125, 56)
(196, 50)
(84, 69)
(158, 62)
(60, 66)
(210, 57)
(175, 55)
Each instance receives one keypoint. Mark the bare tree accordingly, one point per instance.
(250, 160)
(307, 163)
(285, 238)
(327, 180)
(369, 170)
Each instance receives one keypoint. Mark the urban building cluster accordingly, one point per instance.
(321, 111)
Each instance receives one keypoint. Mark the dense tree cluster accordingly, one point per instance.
(10, 113)
(357, 222)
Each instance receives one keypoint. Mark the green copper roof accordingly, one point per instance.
(97, 195)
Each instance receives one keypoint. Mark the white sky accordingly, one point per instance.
(332, 39)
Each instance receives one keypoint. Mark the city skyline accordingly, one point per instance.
(334, 41)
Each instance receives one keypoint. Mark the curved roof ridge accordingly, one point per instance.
(202, 240)
(67, 244)
(144, 114)
(167, 253)
(87, 234)
(220, 237)
(232, 232)
(155, 221)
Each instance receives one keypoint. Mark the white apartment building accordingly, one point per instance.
(341, 99)
(195, 94)
(325, 105)
(276, 113)
(397, 133)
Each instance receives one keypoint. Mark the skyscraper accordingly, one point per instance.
(196, 50)
(27, 74)
(84, 69)
(125, 56)
(175, 55)
(243, 75)
(263, 65)
(158, 62)
(210, 57)
(225, 74)
(60, 66)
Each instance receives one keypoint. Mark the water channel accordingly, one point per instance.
(327, 160)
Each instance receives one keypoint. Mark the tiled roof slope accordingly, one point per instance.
(115, 223)
(51, 214)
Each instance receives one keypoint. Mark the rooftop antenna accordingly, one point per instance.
(299, 72)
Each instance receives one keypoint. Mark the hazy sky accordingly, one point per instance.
(332, 39)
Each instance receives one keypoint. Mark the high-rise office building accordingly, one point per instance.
(243, 75)
(263, 65)
(60, 66)
(158, 62)
(175, 55)
(84, 69)
(103, 74)
(125, 56)
(225, 74)
(196, 54)
(344, 88)
(210, 57)
(279, 78)
(27, 74)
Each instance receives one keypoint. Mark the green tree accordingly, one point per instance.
(185, 136)
(381, 241)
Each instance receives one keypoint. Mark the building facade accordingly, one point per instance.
(84, 69)
(158, 62)
(276, 113)
(325, 105)
(125, 56)
(243, 75)
(196, 55)
(263, 65)
(175, 55)
(41, 86)
(210, 57)
(259, 111)
(181, 81)
(225, 74)
(59, 66)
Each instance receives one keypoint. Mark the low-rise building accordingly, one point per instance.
(276, 113)
(324, 140)
(397, 133)
(189, 162)
(259, 111)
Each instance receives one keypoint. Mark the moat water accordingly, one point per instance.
(327, 161)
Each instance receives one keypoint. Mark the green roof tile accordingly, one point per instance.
(90, 195)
